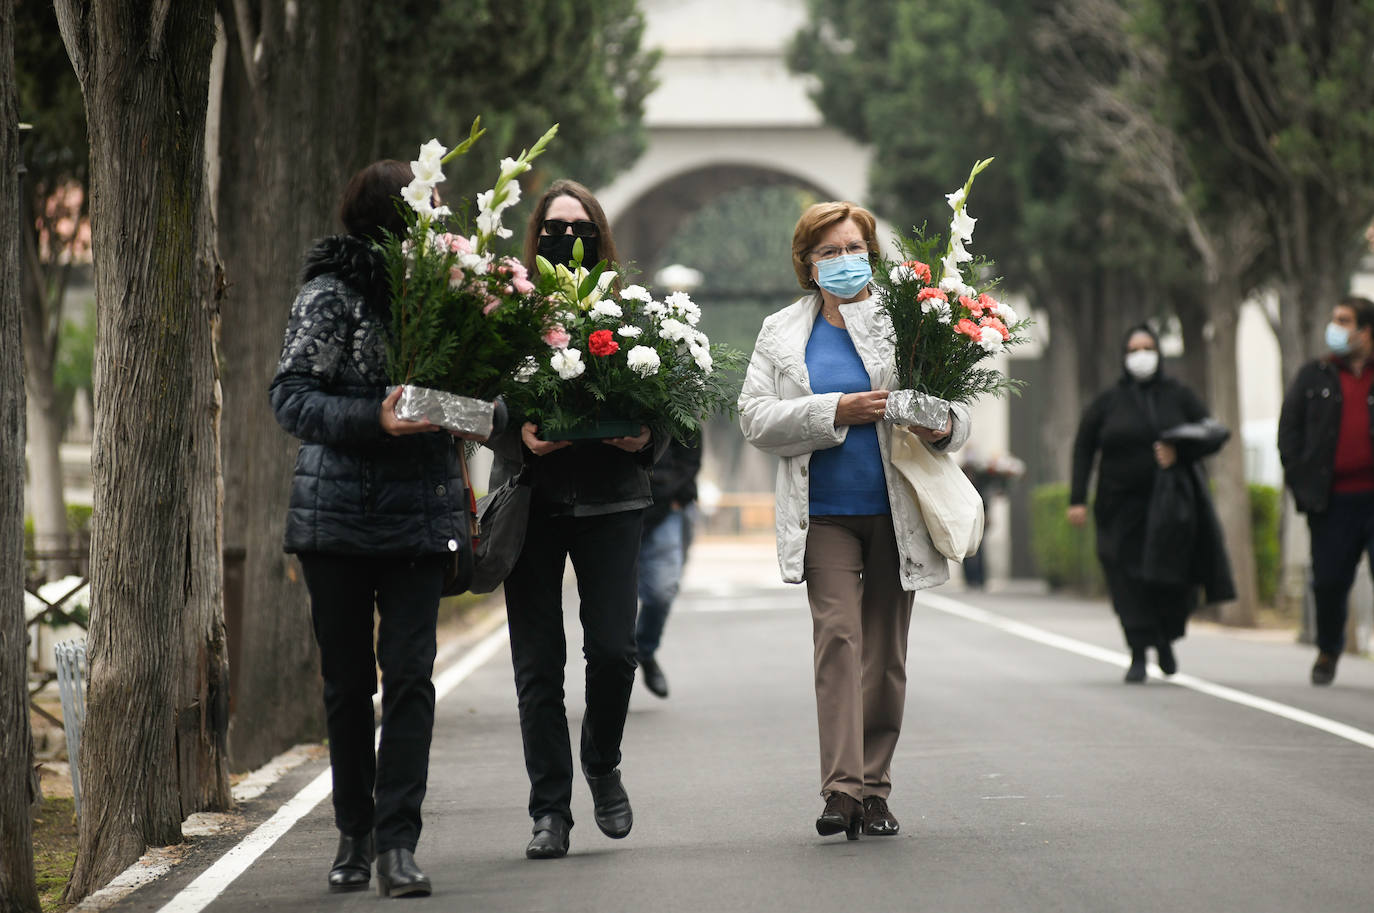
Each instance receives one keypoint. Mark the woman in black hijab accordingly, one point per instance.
(1136, 430)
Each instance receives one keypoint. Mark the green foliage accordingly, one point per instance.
(1266, 504)
(1066, 555)
(522, 66)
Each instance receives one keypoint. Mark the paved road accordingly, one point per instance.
(1028, 778)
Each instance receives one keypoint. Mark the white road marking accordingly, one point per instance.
(209, 884)
(1121, 660)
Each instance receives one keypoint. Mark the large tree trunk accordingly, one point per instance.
(149, 755)
(297, 121)
(46, 504)
(17, 892)
(1231, 488)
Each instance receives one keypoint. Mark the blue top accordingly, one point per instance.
(848, 479)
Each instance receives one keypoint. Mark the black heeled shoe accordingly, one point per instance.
(878, 818)
(1136, 674)
(352, 868)
(611, 805)
(842, 813)
(399, 876)
(550, 838)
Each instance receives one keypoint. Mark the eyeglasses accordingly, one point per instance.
(831, 251)
(582, 228)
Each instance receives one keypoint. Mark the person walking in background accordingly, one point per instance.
(587, 504)
(663, 552)
(377, 516)
(815, 395)
(1326, 444)
(1127, 431)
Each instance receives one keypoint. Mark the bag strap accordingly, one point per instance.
(474, 528)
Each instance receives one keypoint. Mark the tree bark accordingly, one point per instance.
(298, 119)
(150, 750)
(17, 891)
(1231, 488)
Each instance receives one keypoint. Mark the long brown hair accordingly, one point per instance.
(563, 187)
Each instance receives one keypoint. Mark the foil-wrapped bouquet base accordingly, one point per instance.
(911, 407)
(447, 410)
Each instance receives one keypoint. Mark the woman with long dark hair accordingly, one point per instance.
(1136, 431)
(587, 504)
(377, 517)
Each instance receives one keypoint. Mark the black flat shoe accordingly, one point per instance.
(399, 876)
(1168, 663)
(842, 813)
(1136, 674)
(352, 868)
(878, 818)
(611, 805)
(1324, 669)
(550, 838)
(654, 679)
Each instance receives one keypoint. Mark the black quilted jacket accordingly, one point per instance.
(357, 490)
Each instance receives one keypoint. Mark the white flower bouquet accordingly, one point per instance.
(942, 326)
(615, 361)
(463, 315)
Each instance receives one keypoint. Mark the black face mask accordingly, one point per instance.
(559, 249)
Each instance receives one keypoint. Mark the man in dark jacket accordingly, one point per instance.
(1326, 443)
(663, 551)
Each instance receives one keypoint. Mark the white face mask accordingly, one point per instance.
(1142, 363)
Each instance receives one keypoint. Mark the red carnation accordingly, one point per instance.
(602, 343)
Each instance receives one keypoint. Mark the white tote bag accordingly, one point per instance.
(950, 505)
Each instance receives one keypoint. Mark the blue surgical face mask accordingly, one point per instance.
(844, 276)
(1337, 339)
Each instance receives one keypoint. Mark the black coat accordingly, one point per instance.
(674, 480)
(1184, 543)
(1121, 427)
(1309, 430)
(356, 489)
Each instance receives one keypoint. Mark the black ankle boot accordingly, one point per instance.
(1136, 674)
(1168, 663)
(352, 868)
(399, 876)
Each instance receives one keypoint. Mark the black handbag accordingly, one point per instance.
(502, 518)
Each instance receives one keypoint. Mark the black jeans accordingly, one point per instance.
(605, 555)
(1339, 534)
(405, 592)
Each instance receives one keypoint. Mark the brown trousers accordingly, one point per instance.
(860, 618)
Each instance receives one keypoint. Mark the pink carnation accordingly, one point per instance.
(975, 308)
(987, 301)
(492, 304)
(968, 328)
(931, 291)
(997, 325)
(920, 269)
(557, 337)
(458, 244)
(522, 286)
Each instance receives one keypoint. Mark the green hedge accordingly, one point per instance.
(1066, 555)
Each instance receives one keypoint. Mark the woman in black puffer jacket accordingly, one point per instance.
(378, 517)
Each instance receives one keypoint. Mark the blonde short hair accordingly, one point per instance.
(816, 221)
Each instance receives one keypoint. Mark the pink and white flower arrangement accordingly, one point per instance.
(621, 359)
(943, 327)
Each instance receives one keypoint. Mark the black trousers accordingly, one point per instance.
(605, 556)
(1339, 535)
(381, 791)
(1150, 613)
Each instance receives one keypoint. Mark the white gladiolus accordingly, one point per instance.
(955, 199)
(629, 332)
(959, 252)
(636, 293)
(568, 363)
(961, 226)
(433, 151)
(428, 171)
(510, 168)
(607, 309)
(419, 195)
(643, 361)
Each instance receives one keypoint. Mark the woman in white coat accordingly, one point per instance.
(847, 524)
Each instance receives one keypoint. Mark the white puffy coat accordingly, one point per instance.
(780, 415)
